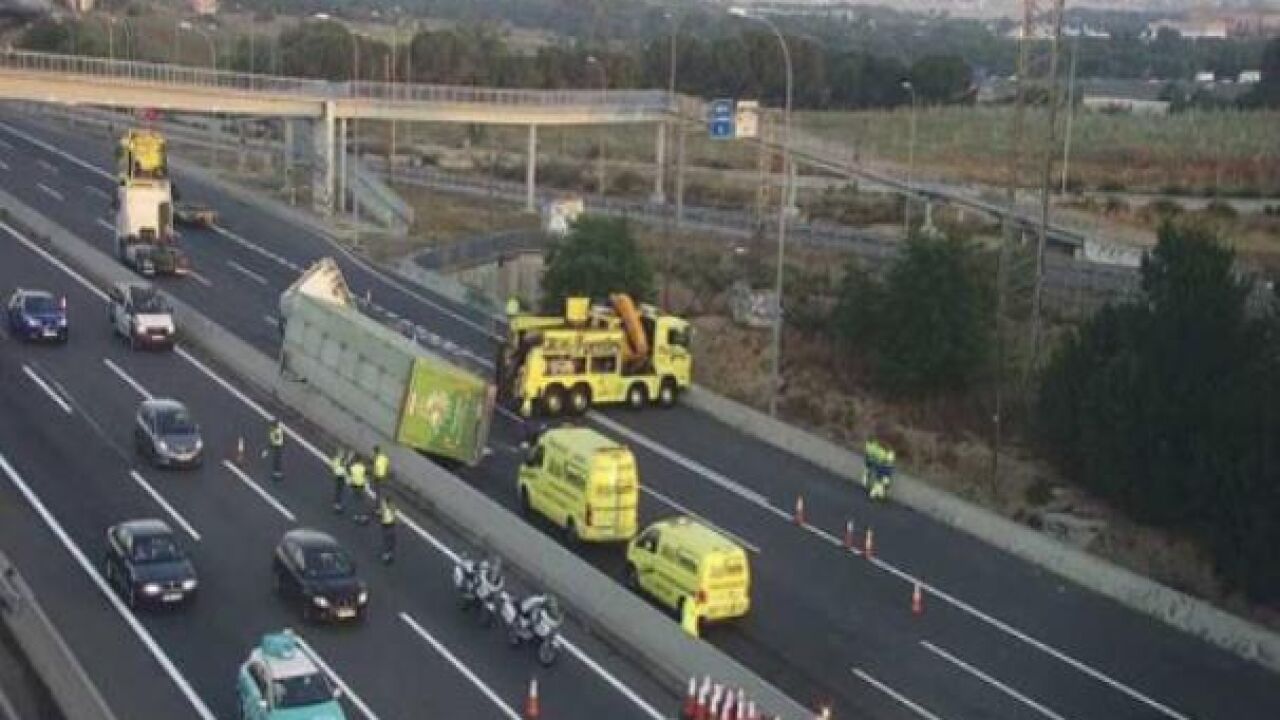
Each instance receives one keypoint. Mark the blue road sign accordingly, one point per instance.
(720, 118)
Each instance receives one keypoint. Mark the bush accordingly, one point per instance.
(598, 257)
(1221, 209)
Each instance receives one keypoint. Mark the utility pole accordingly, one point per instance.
(1050, 145)
(1071, 110)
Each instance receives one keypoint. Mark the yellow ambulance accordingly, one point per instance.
(583, 482)
(691, 568)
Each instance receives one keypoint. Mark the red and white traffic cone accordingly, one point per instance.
(799, 516)
(704, 697)
(751, 711)
(742, 705)
(532, 708)
(917, 600)
(848, 535)
(690, 700)
(713, 709)
(726, 710)
(869, 545)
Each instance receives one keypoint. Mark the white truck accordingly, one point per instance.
(145, 240)
(139, 314)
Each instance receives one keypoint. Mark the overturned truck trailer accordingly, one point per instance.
(389, 381)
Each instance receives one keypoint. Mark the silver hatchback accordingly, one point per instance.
(165, 434)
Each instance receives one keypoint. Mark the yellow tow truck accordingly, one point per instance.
(594, 355)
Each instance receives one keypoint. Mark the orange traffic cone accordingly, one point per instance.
(532, 709)
(917, 601)
(848, 535)
(799, 517)
(704, 695)
(869, 545)
(690, 700)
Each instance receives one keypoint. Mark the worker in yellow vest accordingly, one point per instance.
(338, 467)
(387, 521)
(381, 472)
(356, 481)
(513, 306)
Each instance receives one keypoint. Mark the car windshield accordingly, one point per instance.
(175, 421)
(328, 563)
(301, 691)
(155, 548)
(148, 300)
(40, 304)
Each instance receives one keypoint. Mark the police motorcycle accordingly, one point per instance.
(535, 620)
(478, 585)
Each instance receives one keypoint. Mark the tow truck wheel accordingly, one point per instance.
(667, 393)
(580, 399)
(636, 396)
(553, 401)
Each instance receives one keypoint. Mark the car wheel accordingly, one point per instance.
(632, 577)
(547, 653)
(513, 637)
(580, 399)
(553, 401)
(667, 393)
(637, 396)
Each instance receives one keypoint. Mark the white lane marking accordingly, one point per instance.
(50, 192)
(4, 165)
(55, 397)
(1033, 642)
(271, 320)
(246, 272)
(52, 260)
(461, 667)
(141, 632)
(200, 278)
(48, 166)
(280, 508)
(608, 677)
(109, 227)
(255, 248)
(97, 191)
(137, 477)
(990, 681)
(686, 511)
(337, 679)
(903, 699)
(55, 150)
(691, 465)
(127, 378)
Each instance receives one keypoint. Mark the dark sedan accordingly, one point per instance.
(311, 569)
(146, 565)
(37, 315)
(166, 435)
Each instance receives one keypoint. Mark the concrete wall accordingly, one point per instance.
(520, 276)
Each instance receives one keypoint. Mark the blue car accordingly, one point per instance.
(38, 315)
(280, 681)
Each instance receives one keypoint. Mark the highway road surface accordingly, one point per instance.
(998, 638)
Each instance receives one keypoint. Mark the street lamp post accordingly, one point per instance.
(911, 161)
(600, 154)
(776, 365)
(213, 63)
(669, 258)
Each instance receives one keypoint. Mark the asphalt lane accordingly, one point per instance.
(386, 660)
(820, 613)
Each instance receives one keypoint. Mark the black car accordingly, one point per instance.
(311, 569)
(145, 564)
(165, 434)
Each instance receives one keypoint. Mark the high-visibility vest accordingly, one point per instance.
(276, 436)
(355, 474)
(381, 464)
(339, 465)
(513, 306)
(387, 516)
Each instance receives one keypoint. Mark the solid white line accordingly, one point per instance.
(48, 166)
(337, 679)
(271, 320)
(682, 509)
(50, 192)
(608, 677)
(990, 680)
(253, 247)
(903, 699)
(128, 379)
(258, 489)
(47, 390)
(55, 150)
(138, 629)
(53, 260)
(4, 165)
(461, 667)
(246, 272)
(200, 278)
(96, 191)
(137, 477)
(110, 228)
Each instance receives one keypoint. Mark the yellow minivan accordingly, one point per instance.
(691, 568)
(583, 482)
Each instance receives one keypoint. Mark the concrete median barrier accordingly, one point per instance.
(599, 603)
(1191, 615)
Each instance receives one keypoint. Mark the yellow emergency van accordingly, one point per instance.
(584, 482)
(693, 569)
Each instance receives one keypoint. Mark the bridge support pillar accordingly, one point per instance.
(531, 172)
(322, 178)
(660, 166)
(287, 161)
(342, 165)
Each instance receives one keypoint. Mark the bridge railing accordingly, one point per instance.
(637, 101)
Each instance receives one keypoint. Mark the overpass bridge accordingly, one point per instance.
(327, 108)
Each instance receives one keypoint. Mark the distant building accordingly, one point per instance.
(204, 7)
(1205, 78)
(80, 6)
(1249, 77)
(1191, 29)
(1123, 96)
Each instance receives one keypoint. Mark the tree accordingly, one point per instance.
(941, 78)
(926, 327)
(1267, 93)
(598, 257)
(1168, 406)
